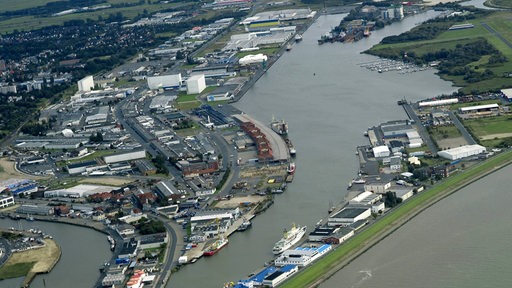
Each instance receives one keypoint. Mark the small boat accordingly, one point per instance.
(244, 226)
(279, 126)
(289, 47)
(298, 37)
(291, 168)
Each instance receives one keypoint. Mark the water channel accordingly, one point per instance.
(328, 101)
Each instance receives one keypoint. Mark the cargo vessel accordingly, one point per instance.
(279, 126)
(290, 238)
(216, 246)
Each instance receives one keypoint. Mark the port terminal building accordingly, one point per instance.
(349, 215)
(302, 256)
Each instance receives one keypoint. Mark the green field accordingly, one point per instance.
(445, 132)
(504, 4)
(499, 21)
(388, 223)
(26, 23)
(15, 270)
(490, 126)
(13, 5)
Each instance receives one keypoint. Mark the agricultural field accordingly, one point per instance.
(32, 22)
(451, 39)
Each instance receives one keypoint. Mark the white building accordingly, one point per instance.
(381, 151)
(439, 102)
(378, 207)
(165, 81)
(196, 84)
(6, 201)
(86, 84)
(377, 187)
(280, 275)
(462, 152)
(365, 198)
(252, 59)
(134, 155)
(302, 256)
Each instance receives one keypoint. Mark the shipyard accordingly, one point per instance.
(168, 170)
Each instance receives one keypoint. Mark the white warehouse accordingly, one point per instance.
(85, 84)
(251, 59)
(196, 84)
(165, 81)
(462, 152)
(133, 155)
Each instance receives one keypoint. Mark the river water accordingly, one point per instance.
(328, 101)
(83, 251)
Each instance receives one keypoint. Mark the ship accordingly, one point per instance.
(367, 32)
(290, 238)
(291, 168)
(291, 148)
(279, 126)
(216, 246)
(298, 37)
(244, 226)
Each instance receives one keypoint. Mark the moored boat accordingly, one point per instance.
(244, 226)
(279, 126)
(298, 37)
(290, 238)
(291, 168)
(216, 246)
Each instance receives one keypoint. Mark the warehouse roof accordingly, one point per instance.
(349, 212)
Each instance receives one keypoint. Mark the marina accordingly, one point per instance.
(387, 65)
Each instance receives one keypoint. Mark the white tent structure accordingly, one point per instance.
(461, 152)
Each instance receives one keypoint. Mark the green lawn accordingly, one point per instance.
(183, 97)
(15, 270)
(316, 271)
(490, 125)
(506, 4)
(188, 105)
(96, 154)
(267, 51)
(445, 132)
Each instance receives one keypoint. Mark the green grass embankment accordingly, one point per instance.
(357, 245)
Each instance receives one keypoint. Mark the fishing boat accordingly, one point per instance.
(290, 238)
(216, 246)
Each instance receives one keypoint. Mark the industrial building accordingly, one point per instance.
(153, 241)
(438, 102)
(81, 190)
(349, 215)
(196, 84)
(145, 167)
(280, 275)
(6, 201)
(321, 233)
(222, 93)
(165, 189)
(99, 117)
(34, 210)
(253, 59)
(162, 102)
(340, 236)
(393, 129)
(18, 186)
(365, 198)
(481, 110)
(81, 167)
(128, 156)
(257, 279)
(302, 256)
(165, 81)
(377, 186)
(462, 152)
(86, 84)
(381, 151)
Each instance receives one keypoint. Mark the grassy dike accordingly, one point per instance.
(361, 242)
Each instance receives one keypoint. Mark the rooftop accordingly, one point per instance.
(349, 212)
